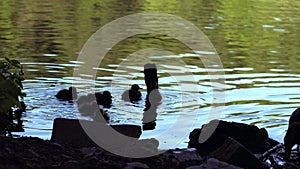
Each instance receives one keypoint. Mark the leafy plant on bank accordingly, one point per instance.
(11, 96)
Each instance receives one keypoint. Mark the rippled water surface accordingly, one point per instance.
(258, 44)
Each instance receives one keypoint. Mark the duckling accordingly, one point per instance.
(81, 100)
(67, 94)
(133, 94)
(91, 109)
(104, 114)
(104, 99)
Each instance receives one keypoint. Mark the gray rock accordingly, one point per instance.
(136, 165)
(186, 154)
(141, 148)
(213, 163)
(88, 151)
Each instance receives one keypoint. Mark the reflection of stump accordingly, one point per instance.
(152, 99)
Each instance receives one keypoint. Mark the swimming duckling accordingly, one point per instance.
(104, 114)
(104, 98)
(81, 100)
(67, 94)
(91, 109)
(133, 94)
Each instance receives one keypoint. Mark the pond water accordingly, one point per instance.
(257, 43)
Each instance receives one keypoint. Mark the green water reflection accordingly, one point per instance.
(257, 34)
(257, 40)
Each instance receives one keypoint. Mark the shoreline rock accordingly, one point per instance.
(227, 148)
(32, 152)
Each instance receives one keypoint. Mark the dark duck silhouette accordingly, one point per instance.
(133, 94)
(91, 109)
(104, 99)
(292, 136)
(67, 94)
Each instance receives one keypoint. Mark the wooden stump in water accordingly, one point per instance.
(151, 78)
(153, 97)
